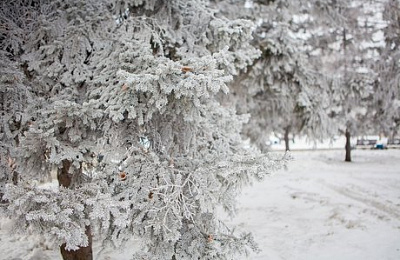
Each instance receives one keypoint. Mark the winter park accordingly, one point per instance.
(199, 129)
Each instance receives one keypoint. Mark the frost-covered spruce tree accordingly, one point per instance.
(125, 109)
(284, 92)
(15, 91)
(348, 53)
(387, 92)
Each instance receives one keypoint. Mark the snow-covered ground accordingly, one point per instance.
(319, 208)
(324, 208)
(303, 143)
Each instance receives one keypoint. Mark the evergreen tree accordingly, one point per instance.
(387, 89)
(121, 98)
(15, 91)
(283, 92)
(346, 53)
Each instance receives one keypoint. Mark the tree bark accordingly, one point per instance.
(63, 175)
(286, 137)
(348, 147)
(83, 253)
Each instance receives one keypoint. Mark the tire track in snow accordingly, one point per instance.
(391, 211)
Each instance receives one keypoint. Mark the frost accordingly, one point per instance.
(120, 105)
(128, 117)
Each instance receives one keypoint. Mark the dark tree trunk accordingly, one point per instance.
(286, 137)
(83, 253)
(63, 175)
(348, 147)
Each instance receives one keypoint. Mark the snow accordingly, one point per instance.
(325, 208)
(248, 4)
(319, 208)
(304, 143)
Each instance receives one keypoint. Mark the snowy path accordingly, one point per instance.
(320, 208)
(323, 208)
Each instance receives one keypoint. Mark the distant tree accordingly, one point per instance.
(346, 53)
(387, 90)
(122, 99)
(284, 92)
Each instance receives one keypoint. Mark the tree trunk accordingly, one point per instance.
(286, 137)
(348, 147)
(63, 175)
(83, 253)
